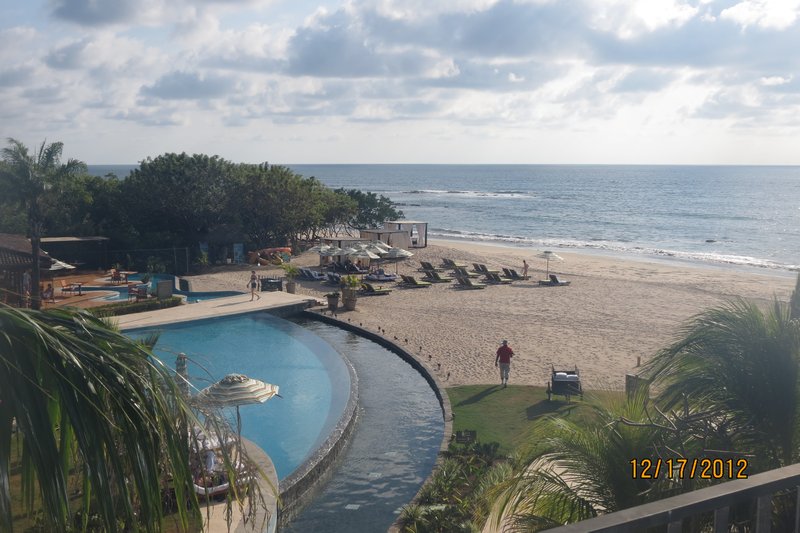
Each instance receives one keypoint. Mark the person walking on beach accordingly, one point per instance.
(253, 284)
(503, 360)
(524, 269)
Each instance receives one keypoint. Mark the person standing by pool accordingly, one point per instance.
(503, 360)
(253, 284)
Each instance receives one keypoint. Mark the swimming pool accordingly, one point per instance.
(120, 293)
(314, 380)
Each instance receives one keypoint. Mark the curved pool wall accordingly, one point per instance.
(314, 380)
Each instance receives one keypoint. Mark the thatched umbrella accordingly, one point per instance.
(548, 256)
(236, 390)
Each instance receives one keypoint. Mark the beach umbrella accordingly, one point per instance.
(234, 390)
(60, 265)
(548, 256)
(364, 254)
(381, 245)
(348, 251)
(329, 252)
(396, 255)
(318, 248)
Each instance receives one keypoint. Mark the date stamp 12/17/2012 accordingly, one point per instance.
(693, 468)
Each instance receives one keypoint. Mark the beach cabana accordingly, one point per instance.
(400, 233)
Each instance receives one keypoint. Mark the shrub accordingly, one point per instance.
(125, 308)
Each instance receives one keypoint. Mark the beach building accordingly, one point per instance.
(15, 259)
(400, 234)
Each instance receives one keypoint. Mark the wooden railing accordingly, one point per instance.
(671, 512)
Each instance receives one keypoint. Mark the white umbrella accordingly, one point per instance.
(236, 390)
(364, 254)
(61, 265)
(348, 251)
(548, 256)
(396, 254)
(318, 248)
(328, 252)
(381, 245)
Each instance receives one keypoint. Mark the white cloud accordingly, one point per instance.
(769, 14)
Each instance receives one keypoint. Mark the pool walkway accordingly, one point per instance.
(230, 305)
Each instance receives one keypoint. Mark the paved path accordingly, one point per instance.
(230, 305)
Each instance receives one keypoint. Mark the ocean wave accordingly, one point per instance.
(614, 247)
(472, 194)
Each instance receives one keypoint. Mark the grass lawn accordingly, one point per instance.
(507, 416)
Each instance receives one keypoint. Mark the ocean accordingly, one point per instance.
(745, 216)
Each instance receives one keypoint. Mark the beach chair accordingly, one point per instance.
(313, 275)
(450, 264)
(480, 268)
(333, 279)
(434, 277)
(513, 274)
(428, 267)
(491, 277)
(554, 281)
(466, 283)
(414, 283)
(368, 289)
(116, 276)
(66, 287)
(462, 272)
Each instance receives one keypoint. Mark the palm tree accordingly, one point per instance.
(27, 178)
(578, 470)
(91, 404)
(739, 366)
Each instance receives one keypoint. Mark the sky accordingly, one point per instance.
(405, 81)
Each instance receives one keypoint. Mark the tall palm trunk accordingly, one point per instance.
(36, 300)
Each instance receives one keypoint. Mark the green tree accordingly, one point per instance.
(372, 210)
(31, 180)
(579, 469)
(177, 198)
(738, 365)
(92, 404)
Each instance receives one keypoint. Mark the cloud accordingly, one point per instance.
(16, 76)
(69, 56)
(766, 14)
(180, 85)
(643, 80)
(95, 13)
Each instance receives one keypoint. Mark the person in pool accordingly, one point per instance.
(253, 284)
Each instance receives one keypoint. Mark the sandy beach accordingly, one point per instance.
(614, 312)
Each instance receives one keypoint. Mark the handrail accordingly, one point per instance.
(719, 498)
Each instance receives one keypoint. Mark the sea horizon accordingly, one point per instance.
(735, 215)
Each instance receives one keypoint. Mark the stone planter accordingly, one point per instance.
(333, 302)
(349, 298)
(291, 286)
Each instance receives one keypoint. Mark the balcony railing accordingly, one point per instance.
(718, 499)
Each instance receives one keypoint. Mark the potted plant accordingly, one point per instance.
(291, 272)
(333, 300)
(350, 286)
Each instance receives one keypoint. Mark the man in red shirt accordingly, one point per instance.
(503, 360)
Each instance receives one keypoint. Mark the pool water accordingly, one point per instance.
(313, 379)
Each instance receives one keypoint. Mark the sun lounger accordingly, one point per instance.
(466, 283)
(462, 272)
(426, 266)
(554, 281)
(68, 287)
(493, 278)
(333, 279)
(434, 277)
(480, 268)
(450, 264)
(368, 289)
(513, 274)
(380, 275)
(316, 276)
(414, 283)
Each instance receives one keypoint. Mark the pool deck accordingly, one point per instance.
(230, 305)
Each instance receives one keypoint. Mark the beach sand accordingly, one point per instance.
(615, 311)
